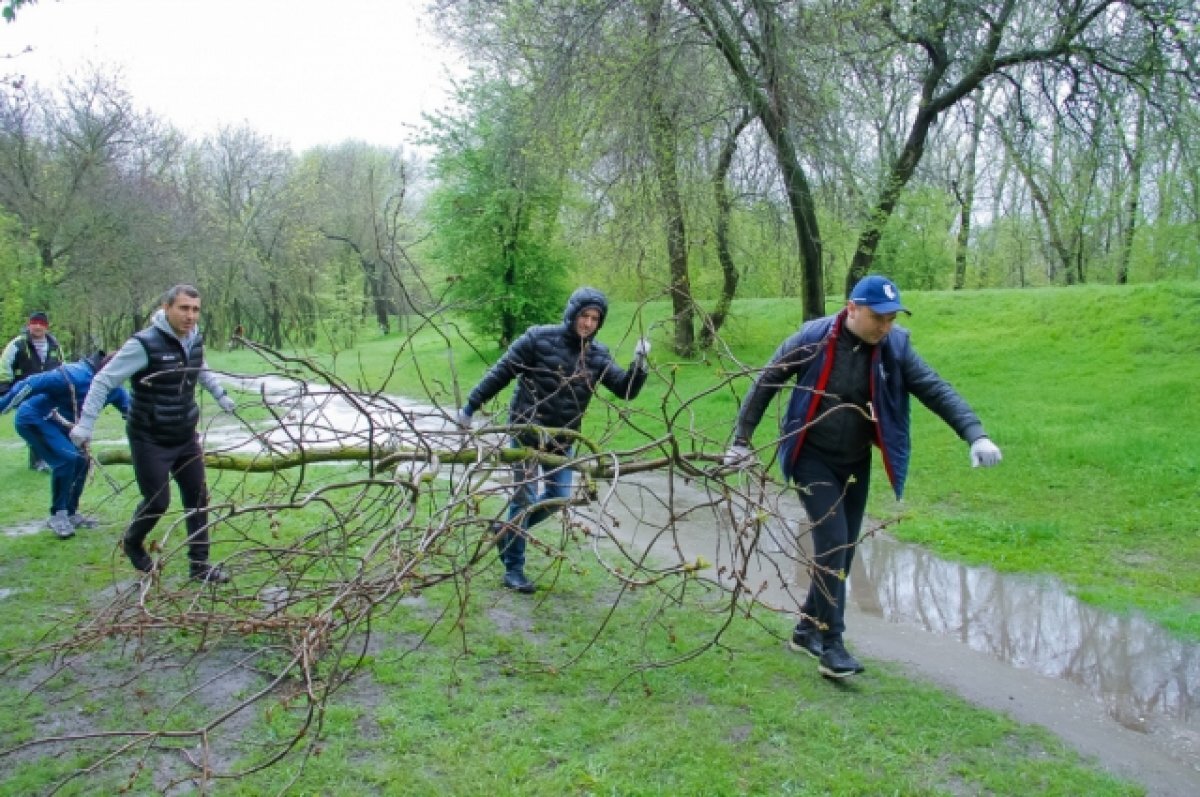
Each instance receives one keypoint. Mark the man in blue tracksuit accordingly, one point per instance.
(34, 351)
(854, 373)
(164, 363)
(48, 404)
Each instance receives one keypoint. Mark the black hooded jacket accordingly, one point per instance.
(557, 372)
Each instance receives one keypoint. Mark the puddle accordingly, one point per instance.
(1133, 667)
(25, 529)
(315, 416)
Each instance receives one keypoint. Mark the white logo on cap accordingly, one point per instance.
(889, 291)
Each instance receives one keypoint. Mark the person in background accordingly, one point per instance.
(34, 351)
(558, 368)
(164, 363)
(47, 405)
(854, 373)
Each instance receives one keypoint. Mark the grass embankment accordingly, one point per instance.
(1086, 390)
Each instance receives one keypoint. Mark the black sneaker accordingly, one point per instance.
(208, 574)
(137, 556)
(516, 581)
(807, 640)
(836, 662)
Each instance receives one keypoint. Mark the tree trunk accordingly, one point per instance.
(1133, 158)
(665, 151)
(767, 102)
(967, 199)
(729, 272)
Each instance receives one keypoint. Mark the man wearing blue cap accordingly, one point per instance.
(854, 373)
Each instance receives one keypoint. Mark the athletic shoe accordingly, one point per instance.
(84, 521)
(208, 574)
(836, 662)
(137, 555)
(60, 524)
(807, 640)
(516, 581)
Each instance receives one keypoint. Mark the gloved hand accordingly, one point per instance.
(226, 403)
(463, 419)
(641, 351)
(739, 455)
(984, 453)
(15, 397)
(80, 435)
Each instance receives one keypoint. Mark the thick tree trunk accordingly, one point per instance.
(665, 159)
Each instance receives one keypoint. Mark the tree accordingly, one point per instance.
(362, 191)
(948, 50)
(494, 215)
(748, 37)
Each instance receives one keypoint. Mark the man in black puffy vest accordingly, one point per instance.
(164, 363)
(558, 368)
(34, 351)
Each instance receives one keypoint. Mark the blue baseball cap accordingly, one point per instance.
(878, 293)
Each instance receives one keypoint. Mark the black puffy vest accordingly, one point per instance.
(26, 363)
(164, 392)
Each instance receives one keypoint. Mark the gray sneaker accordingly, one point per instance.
(84, 521)
(60, 524)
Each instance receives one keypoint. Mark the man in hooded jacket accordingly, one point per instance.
(164, 364)
(48, 403)
(558, 368)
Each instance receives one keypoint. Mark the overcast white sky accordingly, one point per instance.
(304, 72)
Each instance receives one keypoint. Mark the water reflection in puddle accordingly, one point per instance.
(1135, 668)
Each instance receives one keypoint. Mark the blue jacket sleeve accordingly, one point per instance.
(46, 382)
(119, 398)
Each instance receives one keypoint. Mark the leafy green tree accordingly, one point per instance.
(21, 285)
(494, 215)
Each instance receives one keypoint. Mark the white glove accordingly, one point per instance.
(80, 435)
(463, 419)
(738, 456)
(641, 351)
(984, 453)
(226, 403)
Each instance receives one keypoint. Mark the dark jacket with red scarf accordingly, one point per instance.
(896, 373)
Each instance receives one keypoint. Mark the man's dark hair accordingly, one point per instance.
(173, 293)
